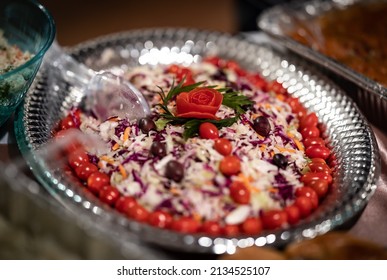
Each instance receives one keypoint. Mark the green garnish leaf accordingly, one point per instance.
(235, 100)
(161, 123)
(232, 99)
(175, 90)
(191, 128)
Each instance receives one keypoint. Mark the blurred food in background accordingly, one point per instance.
(355, 36)
(330, 246)
(11, 56)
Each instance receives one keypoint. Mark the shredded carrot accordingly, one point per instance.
(196, 216)
(272, 154)
(285, 149)
(174, 191)
(299, 144)
(263, 148)
(115, 147)
(296, 141)
(107, 159)
(113, 119)
(281, 97)
(260, 137)
(126, 133)
(247, 182)
(254, 116)
(123, 171)
(272, 190)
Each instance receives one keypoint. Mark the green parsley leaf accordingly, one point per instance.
(175, 90)
(235, 100)
(161, 123)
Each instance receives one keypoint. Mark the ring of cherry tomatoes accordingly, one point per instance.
(307, 198)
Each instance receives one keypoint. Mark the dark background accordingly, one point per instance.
(79, 20)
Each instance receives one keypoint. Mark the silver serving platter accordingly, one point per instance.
(280, 20)
(347, 133)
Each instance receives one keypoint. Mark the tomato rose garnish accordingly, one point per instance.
(199, 103)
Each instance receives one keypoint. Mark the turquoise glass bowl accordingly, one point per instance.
(28, 25)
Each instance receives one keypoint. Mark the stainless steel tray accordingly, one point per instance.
(278, 21)
(347, 132)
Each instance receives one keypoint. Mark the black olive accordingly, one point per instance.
(174, 171)
(262, 126)
(248, 107)
(146, 125)
(280, 160)
(158, 149)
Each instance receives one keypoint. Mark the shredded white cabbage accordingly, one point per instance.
(204, 190)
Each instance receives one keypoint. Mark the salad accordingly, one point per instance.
(10, 55)
(224, 152)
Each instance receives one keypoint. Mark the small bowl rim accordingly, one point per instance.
(44, 48)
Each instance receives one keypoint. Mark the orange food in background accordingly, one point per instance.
(356, 37)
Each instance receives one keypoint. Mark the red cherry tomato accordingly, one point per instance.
(72, 120)
(138, 213)
(185, 225)
(308, 132)
(320, 187)
(319, 167)
(124, 203)
(252, 226)
(77, 157)
(294, 104)
(301, 112)
(274, 219)
(230, 230)
(313, 141)
(239, 193)
(257, 81)
(67, 123)
(310, 120)
(211, 228)
(85, 169)
(317, 151)
(310, 193)
(208, 131)
(109, 195)
(315, 176)
(304, 204)
(276, 87)
(318, 160)
(214, 60)
(293, 214)
(160, 219)
(233, 65)
(230, 165)
(97, 181)
(180, 73)
(223, 146)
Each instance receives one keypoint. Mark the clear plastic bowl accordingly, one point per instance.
(28, 25)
